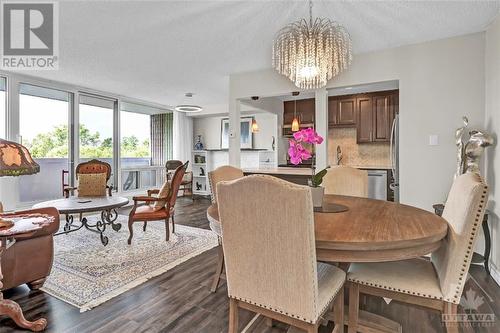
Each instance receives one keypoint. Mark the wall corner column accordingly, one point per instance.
(321, 120)
(234, 132)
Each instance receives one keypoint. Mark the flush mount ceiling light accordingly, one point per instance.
(311, 53)
(188, 107)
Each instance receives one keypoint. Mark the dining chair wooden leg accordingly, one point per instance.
(173, 225)
(233, 316)
(144, 226)
(167, 229)
(353, 307)
(219, 269)
(450, 310)
(338, 312)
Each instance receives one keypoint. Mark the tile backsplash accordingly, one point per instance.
(364, 154)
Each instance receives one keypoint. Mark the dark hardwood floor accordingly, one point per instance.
(179, 301)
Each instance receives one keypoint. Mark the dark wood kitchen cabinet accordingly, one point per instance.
(376, 113)
(364, 124)
(371, 113)
(342, 111)
(305, 112)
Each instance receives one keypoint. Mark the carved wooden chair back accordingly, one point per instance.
(176, 183)
(94, 166)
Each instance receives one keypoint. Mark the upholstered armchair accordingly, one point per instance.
(271, 268)
(159, 207)
(344, 180)
(437, 283)
(223, 173)
(92, 167)
(187, 180)
(30, 259)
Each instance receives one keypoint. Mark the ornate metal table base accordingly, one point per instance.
(108, 217)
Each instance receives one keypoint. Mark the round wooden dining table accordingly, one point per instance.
(370, 231)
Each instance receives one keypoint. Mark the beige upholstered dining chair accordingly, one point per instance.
(223, 173)
(344, 180)
(270, 252)
(438, 283)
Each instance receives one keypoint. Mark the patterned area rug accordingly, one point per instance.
(86, 273)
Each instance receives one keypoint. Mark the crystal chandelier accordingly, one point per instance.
(311, 53)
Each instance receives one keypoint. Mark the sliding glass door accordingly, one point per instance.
(96, 132)
(44, 130)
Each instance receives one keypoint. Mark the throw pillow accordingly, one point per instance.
(91, 184)
(164, 192)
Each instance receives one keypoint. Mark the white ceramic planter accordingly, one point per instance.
(317, 195)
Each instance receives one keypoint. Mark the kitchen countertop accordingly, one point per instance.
(281, 171)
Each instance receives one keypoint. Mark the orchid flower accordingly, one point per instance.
(297, 152)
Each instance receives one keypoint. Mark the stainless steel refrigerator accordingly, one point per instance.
(394, 152)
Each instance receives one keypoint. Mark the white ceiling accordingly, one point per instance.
(158, 50)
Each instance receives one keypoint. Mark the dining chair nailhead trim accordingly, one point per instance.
(459, 287)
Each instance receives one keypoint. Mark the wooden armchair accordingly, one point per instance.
(91, 167)
(147, 212)
(187, 180)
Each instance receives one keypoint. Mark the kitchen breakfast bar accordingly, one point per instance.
(291, 174)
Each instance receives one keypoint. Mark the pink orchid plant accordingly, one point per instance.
(299, 153)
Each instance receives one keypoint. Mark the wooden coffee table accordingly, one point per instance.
(24, 224)
(79, 205)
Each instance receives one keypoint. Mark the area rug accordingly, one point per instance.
(86, 273)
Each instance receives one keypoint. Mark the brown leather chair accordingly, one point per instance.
(92, 166)
(30, 259)
(147, 213)
(187, 180)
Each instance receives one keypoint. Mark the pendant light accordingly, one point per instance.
(188, 107)
(311, 52)
(255, 126)
(295, 121)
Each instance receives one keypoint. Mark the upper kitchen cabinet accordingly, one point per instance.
(364, 123)
(305, 114)
(342, 111)
(371, 113)
(382, 118)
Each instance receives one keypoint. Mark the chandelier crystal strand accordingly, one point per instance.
(311, 53)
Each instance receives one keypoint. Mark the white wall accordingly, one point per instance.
(210, 130)
(440, 81)
(492, 124)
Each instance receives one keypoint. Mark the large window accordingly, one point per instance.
(135, 147)
(96, 129)
(3, 107)
(43, 127)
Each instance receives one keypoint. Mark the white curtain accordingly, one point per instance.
(183, 137)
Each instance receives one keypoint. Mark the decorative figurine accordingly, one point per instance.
(475, 148)
(459, 133)
(198, 145)
(469, 153)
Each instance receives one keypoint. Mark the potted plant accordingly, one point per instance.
(299, 153)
